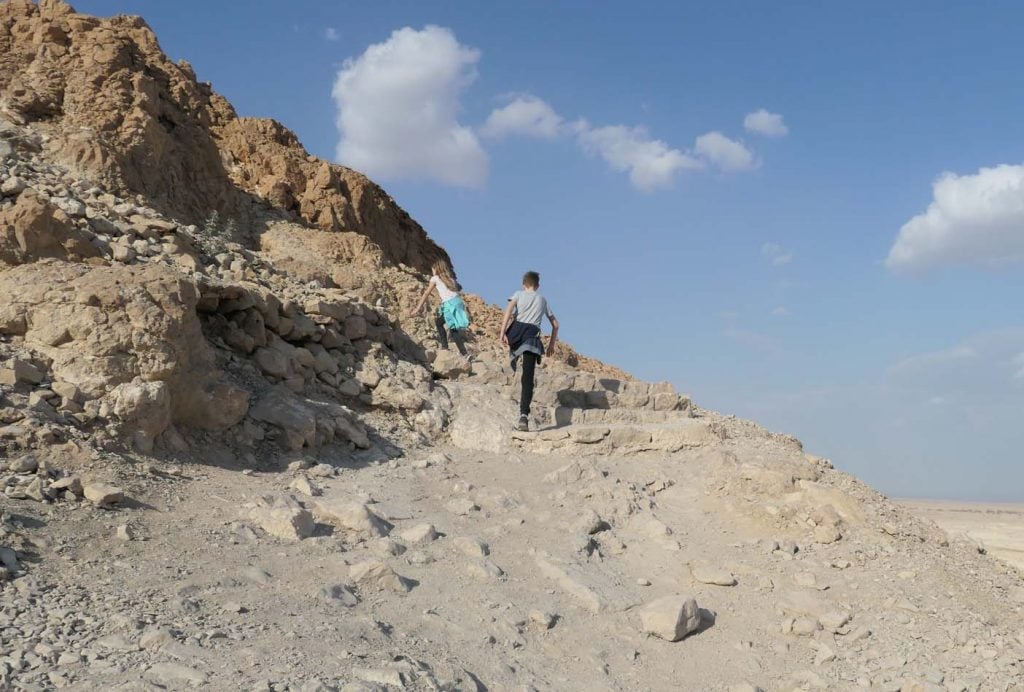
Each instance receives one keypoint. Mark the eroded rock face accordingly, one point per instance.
(128, 341)
(123, 114)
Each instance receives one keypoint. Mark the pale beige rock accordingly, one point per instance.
(462, 506)
(419, 534)
(472, 546)
(173, 674)
(706, 574)
(450, 365)
(670, 617)
(103, 494)
(353, 517)
(305, 486)
(283, 518)
(378, 575)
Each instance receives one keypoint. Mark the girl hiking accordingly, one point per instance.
(452, 317)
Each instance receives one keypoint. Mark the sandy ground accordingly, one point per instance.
(999, 527)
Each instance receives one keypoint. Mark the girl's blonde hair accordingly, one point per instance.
(444, 272)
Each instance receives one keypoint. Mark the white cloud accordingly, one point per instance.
(776, 254)
(1018, 365)
(727, 154)
(972, 219)
(331, 34)
(524, 115)
(765, 123)
(931, 361)
(651, 163)
(397, 109)
(780, 311)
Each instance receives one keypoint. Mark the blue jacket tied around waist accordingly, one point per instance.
(523, 338)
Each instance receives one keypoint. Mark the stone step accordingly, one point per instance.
(564, 415)
(580, 390)
(628, 439)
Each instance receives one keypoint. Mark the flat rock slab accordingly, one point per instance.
(103, 494)
(712, 575)
(175, 674)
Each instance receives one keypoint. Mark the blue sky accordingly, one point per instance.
(749, 268)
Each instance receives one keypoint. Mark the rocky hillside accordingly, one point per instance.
(229, 461)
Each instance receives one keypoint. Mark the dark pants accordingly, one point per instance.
(442, 334)
(530, 361)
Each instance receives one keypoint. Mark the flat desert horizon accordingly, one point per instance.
(998, 526)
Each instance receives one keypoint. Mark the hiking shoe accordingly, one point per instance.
(523, 424)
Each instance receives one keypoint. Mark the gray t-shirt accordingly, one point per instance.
(531, 307)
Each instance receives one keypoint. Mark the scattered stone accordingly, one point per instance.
(353, 517)
(835, 620)
(156, 638)
(472, 546)
(283, 518)
(380, 676)
(341, 593)
(102, 494)
(462, 506)
(670, 617)
(322, 471)
(543, 618)
(72, 484)
(712, 575)
(590, 522)
(26, 463)
(125, 533)
(173, 674)
(485, 569)
(305, 486)
(805, 626)
(376, 574)
(421, 533)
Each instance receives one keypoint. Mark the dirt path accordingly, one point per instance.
(534, 581)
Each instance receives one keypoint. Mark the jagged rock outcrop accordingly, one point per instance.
(121, 113)
(123, 343)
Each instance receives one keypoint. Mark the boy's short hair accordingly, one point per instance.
(531, 279)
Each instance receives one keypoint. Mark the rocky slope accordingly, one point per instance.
(228, 462)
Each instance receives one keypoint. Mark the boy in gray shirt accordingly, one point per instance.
(520, 331)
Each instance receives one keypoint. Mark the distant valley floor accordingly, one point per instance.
(998, 526)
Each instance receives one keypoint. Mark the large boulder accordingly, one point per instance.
(34, 229)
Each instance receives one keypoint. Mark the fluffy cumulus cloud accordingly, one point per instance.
(524, 115)
(724, 153)
(651, 163)
(398, 107)
(972, 219)
(776, 254)
(763, 122)
(398, 117)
